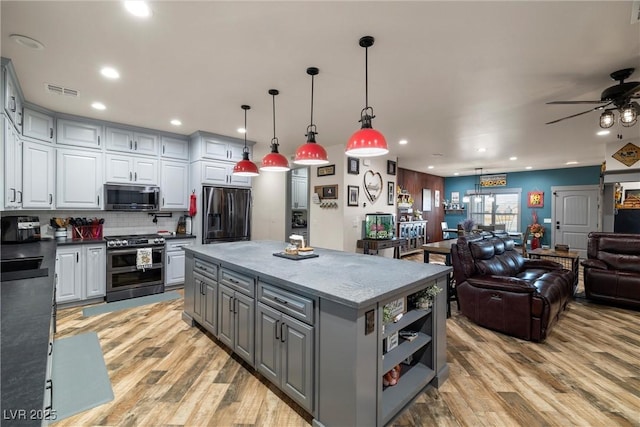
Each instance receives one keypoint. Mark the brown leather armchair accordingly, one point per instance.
(501, 290)
(612, 268)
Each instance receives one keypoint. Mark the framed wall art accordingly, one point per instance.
(353, 165)
(391, 190)
(391, 167)
(426, 200)
(535, 199)
(326, 170)
(326, 191)
(353, 192)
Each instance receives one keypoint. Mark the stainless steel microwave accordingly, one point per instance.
(133, 198)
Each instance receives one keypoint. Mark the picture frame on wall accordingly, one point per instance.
(391, 189)
(426, 200)
(535, 199)
(391, 167)
(326, 170)
(436, 198)
(353, 192)
(353, 165)
(326, 191)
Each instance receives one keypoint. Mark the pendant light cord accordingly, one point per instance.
(311, 124)
(366, 78)
(274, 140)
(245, 149)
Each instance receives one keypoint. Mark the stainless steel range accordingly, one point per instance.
(125, 277)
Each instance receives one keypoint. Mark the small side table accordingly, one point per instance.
(369, 245)
(569, 259)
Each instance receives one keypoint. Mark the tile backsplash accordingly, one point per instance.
(115, 223)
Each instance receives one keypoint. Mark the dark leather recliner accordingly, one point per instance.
(501, 290)
(612, 268)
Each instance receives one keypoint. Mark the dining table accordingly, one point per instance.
(443, 247)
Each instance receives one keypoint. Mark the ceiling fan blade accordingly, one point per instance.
(579, 114)
(577, 102)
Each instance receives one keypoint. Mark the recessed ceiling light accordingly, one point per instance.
(176, 122)
(110, 73)
(513, 158)
(403, 142)
(27, 41)
(456, 173)
(529, 167)
(99, 106)
(138, 8)
(430, 167)
(573, 162)
(603, 133)
(242, 130)
(481, 150)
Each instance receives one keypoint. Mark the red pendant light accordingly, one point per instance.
(245, 167)
(311, 153)
(367, 142)
(274, 161)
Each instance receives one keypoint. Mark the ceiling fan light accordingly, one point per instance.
(628, 116)
(607, 119)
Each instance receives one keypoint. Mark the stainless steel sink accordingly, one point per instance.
(22, 268)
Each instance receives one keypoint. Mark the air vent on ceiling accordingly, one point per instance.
(59, 90)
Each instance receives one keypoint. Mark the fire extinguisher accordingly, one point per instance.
(193, 205)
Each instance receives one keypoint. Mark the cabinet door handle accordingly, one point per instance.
(77, 256)
(13, 198)
(163, 149)
(163, 201)
(135, 175)
(51, 133)
(276, 330)
(282, 337)
(98, 200)
(50, 388)
(135, 145)
(169, 260)
(13, 104)
(98, 139)
(130, 176)
(20, 119)
(231, 304)
(130, 145)
(20, 193)
(280, 300)
(50, 348)
(50, 198)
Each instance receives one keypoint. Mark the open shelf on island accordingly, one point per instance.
(404, 350)
(407, 319)
(412, 380)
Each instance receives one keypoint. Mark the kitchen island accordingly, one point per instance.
(317, 328)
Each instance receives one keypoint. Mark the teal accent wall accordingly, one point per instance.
(540, 180)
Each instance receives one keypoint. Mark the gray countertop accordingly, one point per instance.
(348, 278)
(26, 307)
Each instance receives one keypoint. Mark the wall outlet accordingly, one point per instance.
(547, 220)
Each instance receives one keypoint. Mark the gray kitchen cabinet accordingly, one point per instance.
(236, 316)
(174, 185)
(284, 353)
(81, 272)
(38, 181)
(174, 260)
(125, 169)
(174, 148)
(38, 125)
(13, 146)
(78, 179)
(79, 133)
(131, 141)
(201, 293)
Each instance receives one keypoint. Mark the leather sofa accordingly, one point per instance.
(612, 268)
(499, 289)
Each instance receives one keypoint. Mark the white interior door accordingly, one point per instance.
(575, 214)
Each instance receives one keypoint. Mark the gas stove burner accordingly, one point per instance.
(134, 240)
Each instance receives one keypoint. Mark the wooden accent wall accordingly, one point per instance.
(414, 182)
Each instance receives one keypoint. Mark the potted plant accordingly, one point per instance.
(467, 225)
(424, 298)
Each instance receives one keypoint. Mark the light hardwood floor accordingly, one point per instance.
(587, 373)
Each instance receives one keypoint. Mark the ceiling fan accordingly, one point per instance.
(619, 95)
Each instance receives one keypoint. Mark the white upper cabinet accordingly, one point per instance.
(38, 181)
(174, 185)
(81, 134)
(13, 167)
(131, 169)
(217, 147)
(38, 125)
(175, 148)
(219, 173)
(79, 179)
(12, 96)
(130, 141)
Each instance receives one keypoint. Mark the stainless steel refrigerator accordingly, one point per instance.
(226, 214)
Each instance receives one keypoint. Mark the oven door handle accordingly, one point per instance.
(132, 250)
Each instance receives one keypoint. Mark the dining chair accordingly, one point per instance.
(445, 234)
